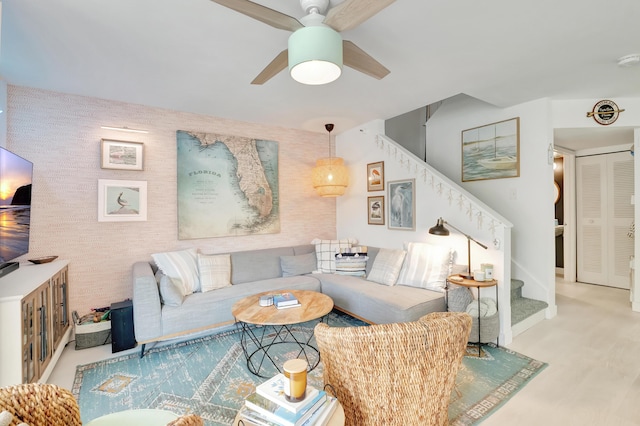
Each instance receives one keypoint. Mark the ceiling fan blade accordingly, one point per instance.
(279, 63)
(351, 13)
(359, 60)
(262, 13)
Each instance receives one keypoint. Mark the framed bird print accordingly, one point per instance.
(122, 200)
(375, 176)
(121, 155)
(402, 204)
(375, 208)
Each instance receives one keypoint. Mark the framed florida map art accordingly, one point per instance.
(227, 185)
(491, 151)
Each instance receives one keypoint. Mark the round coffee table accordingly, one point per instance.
(264, 327)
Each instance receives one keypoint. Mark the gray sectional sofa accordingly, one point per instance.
(258, 271)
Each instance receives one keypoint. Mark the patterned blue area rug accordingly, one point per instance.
(209, 376)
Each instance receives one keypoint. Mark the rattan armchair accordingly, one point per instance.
(395, 374)
(38, 404)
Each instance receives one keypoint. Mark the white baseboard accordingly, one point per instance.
(527, 323)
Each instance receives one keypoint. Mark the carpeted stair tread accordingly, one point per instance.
(522, 308)
(516, 289)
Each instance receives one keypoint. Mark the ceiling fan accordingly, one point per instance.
(314, 27)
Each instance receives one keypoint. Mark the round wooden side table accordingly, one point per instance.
(465, 282)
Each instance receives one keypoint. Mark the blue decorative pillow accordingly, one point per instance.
(298, 265)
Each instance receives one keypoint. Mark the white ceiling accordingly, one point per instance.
(198, 56)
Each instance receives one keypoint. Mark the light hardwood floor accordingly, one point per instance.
(592, 347)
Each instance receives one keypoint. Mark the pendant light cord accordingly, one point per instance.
(329, 127)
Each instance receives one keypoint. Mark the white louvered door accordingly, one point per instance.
(604, 185)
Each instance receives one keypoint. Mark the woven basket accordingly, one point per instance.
(39, 404)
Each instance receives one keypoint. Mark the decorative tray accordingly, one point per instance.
(46, 259)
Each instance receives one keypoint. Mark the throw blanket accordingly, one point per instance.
(487, 308)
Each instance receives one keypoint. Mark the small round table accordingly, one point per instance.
(147, 416)
(465, 282)
(250, 316)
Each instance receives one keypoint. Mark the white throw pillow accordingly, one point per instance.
(426, 266)
(215, 271)
(180, 265)
(386, 266)
(326, 251)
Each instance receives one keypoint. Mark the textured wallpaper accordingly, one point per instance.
(61, 135)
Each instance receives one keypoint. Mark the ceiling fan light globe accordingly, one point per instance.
(315, 55)
(315, 73)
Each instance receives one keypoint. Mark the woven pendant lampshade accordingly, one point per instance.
(330, 176)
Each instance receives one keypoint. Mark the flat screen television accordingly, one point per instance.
(16, 176)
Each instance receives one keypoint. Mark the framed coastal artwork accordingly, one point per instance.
(121, 155)
(375, 210)
(122, 200)
(491, 151)
(227, 185)
(375, 176)
(402, 204)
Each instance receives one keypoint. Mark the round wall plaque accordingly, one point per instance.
(605, 112)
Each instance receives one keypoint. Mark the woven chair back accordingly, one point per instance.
(395, 374)
(39, 404)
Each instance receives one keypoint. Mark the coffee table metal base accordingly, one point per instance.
(257, 340)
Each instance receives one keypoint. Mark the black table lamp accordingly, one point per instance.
(440, 229)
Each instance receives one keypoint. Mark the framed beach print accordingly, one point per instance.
(375, 210)
(121, 155)
(402, 204)
(122, 200)
(491, 151)
(375, 176)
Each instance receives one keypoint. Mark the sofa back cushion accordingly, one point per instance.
(256, 265)
(298, 265)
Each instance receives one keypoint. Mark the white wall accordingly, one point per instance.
(526, 201)
(61, 135)
(436, 196)
(572, 114)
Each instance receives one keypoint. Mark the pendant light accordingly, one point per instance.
(315, 55)
(330, 177)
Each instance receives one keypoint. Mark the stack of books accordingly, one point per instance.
(267, 406)
(285, 301)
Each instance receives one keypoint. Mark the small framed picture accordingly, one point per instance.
(402, 204)
(375, 176)
(121, 155)
(375, 209)
(122, 200)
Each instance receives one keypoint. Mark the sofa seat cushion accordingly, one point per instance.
(196, 309)
(379, 303)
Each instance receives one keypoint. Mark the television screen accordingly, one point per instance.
(15, 205)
